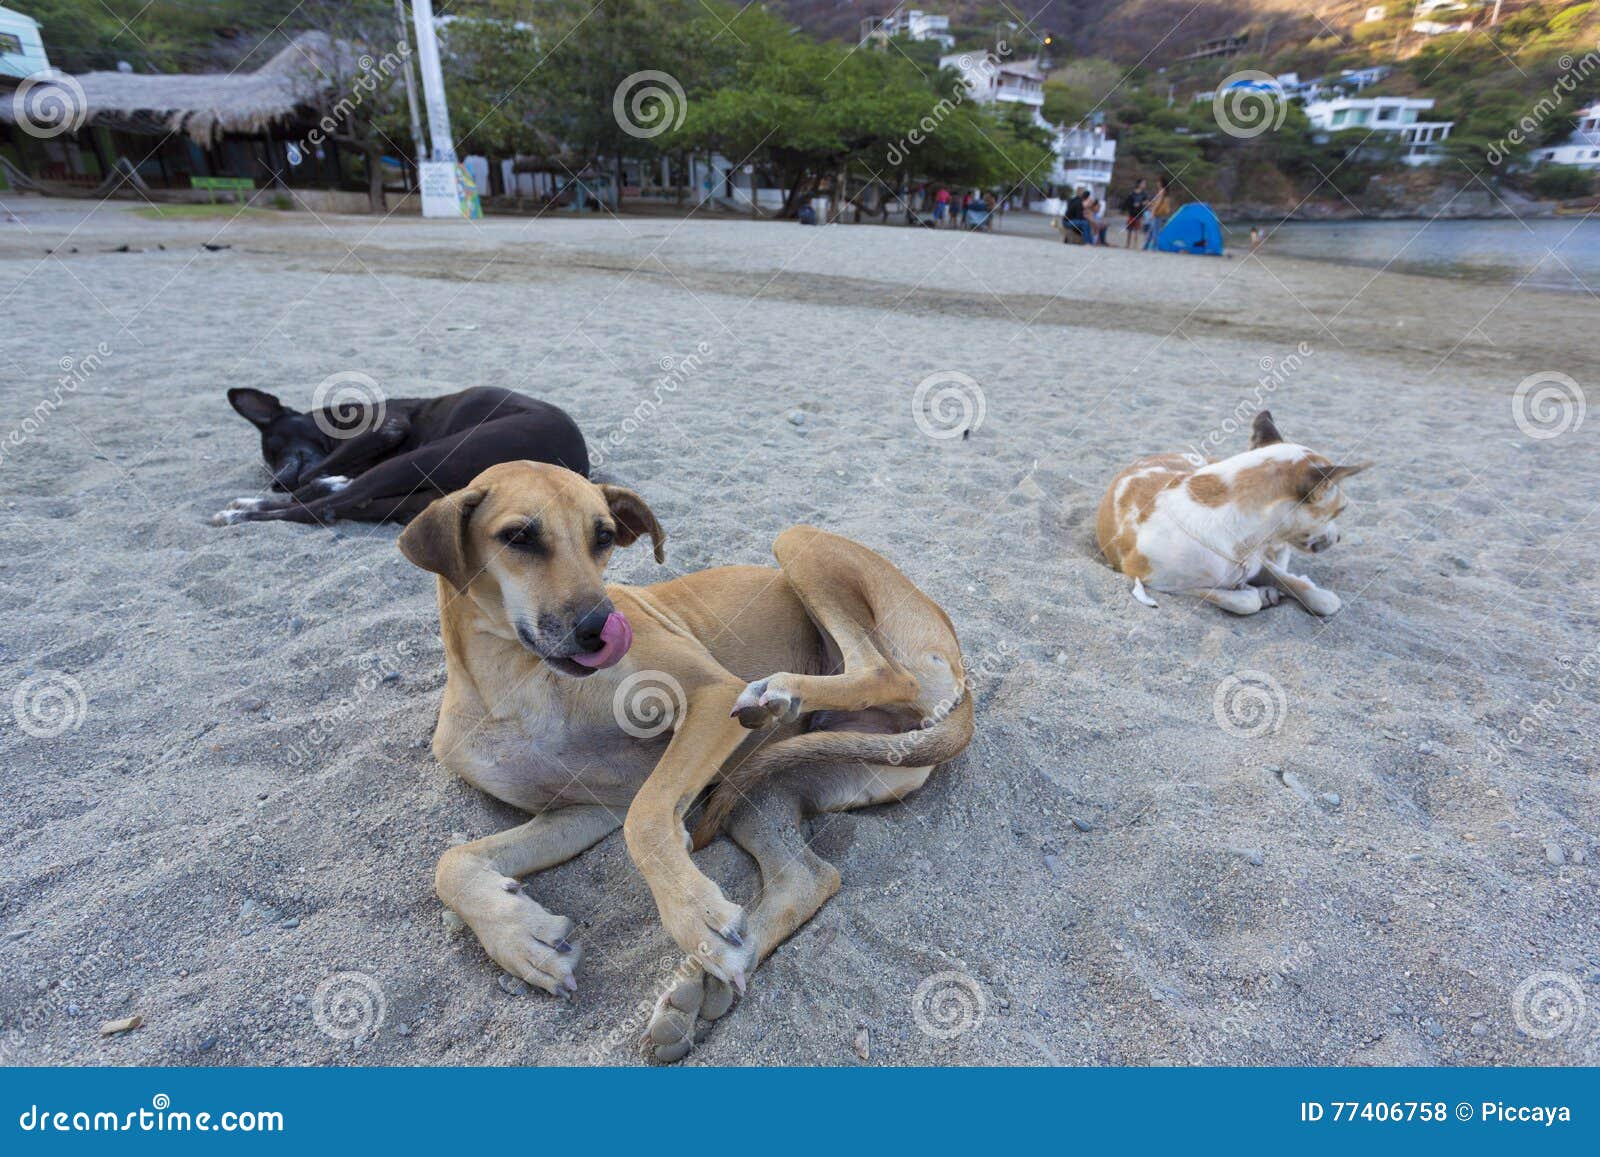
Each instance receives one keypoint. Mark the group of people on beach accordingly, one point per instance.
(973, 210)
(1145, 213)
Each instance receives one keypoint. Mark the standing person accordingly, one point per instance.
(941, 205)
(1095, 210)
(1133, 205)
(1156, 215)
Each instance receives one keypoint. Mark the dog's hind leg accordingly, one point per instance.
(479, 883)
(384, 491)
(1243, 601)
(795, 881)
(870, 614)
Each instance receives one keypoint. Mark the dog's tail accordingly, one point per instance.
(946, 738)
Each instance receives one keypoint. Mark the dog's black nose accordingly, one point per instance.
(587, 633)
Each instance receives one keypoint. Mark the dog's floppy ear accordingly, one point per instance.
(1263, 432)
(257, 407)
(1317, 475)
(634, 519)
(436, 539)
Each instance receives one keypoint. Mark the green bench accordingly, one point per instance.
(240, 187)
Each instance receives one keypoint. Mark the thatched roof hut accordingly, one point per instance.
(206, 105)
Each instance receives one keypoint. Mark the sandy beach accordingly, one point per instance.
(1178, 837)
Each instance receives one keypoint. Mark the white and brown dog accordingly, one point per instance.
(1223, 531)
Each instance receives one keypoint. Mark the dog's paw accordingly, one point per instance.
(767, 701)
(715, 932)
(227, 517)
(247, 504)
(533, 945)
(1270, 596)
(1321, 602)
(693, 996)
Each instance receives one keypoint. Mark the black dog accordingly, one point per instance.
(375, 462)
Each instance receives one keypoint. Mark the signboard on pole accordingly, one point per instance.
(448, 191)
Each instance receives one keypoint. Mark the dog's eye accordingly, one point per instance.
(603, 537)
(524, 537)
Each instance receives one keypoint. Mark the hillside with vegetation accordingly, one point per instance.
(1508, 89)
(807, 105)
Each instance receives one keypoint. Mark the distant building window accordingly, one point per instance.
(1388, 113)
(10, 45)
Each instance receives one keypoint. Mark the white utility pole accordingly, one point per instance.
(444, 148)
(411, 85)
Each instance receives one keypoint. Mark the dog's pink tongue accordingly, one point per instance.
(615, 639)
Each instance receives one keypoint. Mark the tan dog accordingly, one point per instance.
(1224, 531)
(585, 703)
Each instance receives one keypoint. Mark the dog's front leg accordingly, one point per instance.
(479, 883)
(1307, 593)
(356, 454)
(704, 923)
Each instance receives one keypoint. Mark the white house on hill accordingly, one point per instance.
(1581, 149)
(1084, 157)
(21, 48)
(1399, 115)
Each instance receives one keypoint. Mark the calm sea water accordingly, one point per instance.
(1558, 253)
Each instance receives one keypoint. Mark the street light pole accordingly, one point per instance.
(444, 148)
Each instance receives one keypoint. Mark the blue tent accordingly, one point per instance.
(1192, 229)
